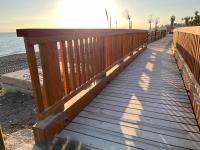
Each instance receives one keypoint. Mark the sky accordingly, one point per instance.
(17, 14)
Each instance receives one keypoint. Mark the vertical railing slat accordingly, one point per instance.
(71, 66)
(87, 59)
(82, 60)
(91, 49)
(65, 67)
(52, 84)
(33, 68)
(77, 62)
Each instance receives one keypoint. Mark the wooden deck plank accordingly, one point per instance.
(141, 126)
(144, 107)
(158, 80)
(143, 113)
(92, 140)
(175, 92)
(115, 137)
(136, 118)
(146, 84)
(156, 98)
(152, 94)
(159, 90)
(147, 135)
(153, 110)
(144, 100)
(169, 90)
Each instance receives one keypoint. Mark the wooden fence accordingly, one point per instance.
(187, 53)
(70, 61)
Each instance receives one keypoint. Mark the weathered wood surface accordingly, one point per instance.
(144, 107)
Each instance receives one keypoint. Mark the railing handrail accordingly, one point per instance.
(193, 30)
(60, 32)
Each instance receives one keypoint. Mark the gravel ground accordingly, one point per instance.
(17, 114)
(17, 119)
(14, 62)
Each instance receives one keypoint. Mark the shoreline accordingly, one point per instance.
(11, 54)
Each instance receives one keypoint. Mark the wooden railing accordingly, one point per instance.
(186, 42)
(74, 66)
(156, 35)
(72, 58)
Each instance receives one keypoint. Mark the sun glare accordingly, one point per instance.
(83, 13)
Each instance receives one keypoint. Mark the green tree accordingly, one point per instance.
(187, 21)
(196, 20)
(172, 19)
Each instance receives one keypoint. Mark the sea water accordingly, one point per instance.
(10, 44)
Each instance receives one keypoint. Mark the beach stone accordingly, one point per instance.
(19, 81)
(20, 140)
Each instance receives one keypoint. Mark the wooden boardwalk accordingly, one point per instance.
(144, 107)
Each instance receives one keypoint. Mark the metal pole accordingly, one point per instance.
(131, 24)
(110, 23)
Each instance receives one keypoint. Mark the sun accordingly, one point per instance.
(83, 13)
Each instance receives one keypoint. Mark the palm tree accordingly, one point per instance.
(128, 16)
(129, 20)
(196, 20)
(187, 20)
(172, 21)
(150, 22)
(196, 13)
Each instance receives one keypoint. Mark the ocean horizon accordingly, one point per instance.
(11, 44)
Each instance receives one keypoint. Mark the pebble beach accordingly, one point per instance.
(17, 114)
(12, 63)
